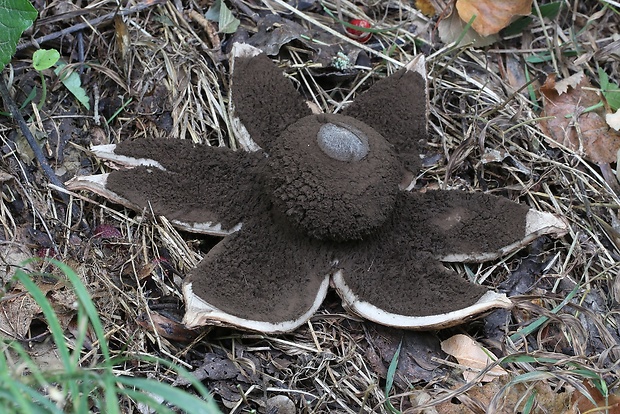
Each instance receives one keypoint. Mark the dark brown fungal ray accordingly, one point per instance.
(395, 277)
(396, 107)
(418, 293)
(418, 285)
(457, 226)
(327, 198)
(199, 184)
(263, 277)
(264, 100)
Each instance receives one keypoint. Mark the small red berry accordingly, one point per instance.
(359, 35)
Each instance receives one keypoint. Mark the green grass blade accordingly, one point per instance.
(141, 397)
(44, 404)
(532, 327)
(179, 398)
(529, 404)
(389, 380)
(93, 316)
(52, 322)
(198, 386)
(85, 300)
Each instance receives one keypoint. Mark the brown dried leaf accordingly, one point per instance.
(478, 399)
(426, 7)
(586, 133)
(64, 302)
(571, 82)
(167, 327)
(471, 355)
(514, 74)
(451, 28)
(417, 350)
(214, 367)
(17, 311)
(492, 15)
(611, 404)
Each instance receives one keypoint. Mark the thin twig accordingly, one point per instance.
(38, 154)
(23, 126)
(92, 23)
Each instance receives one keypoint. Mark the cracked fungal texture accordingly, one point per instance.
(327, 198)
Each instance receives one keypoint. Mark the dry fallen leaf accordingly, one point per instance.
(571, 82)
(17, 312)
(492, 15)
(426, 7)
(584, 132)
(166, 327)
(451, 28)
(582, 404)
(512, 398)
(472, 355)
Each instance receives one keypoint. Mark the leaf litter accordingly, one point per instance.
(574, 122)
(486, 136)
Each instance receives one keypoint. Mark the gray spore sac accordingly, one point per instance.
(342, 142)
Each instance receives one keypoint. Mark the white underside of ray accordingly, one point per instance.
(537, 223)
(106, 152)
(98, 185)
(240, 131)
(199, 312)
(488, 301)
(417, 64)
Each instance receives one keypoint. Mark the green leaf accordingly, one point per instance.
(610, 90)
(15, 17)
(549, 11)
(221, 14)
(185, 401)
(72, 81)
(45, 58)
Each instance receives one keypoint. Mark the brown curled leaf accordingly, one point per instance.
(492, 15)
(573, 125)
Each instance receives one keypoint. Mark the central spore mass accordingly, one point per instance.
(342, 142)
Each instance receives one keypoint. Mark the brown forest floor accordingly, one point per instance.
(162, 70)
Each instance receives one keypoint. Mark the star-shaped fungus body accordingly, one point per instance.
(319, 197)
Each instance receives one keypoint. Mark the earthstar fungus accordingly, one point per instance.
(314, 198)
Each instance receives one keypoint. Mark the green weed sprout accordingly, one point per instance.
(26, 388)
